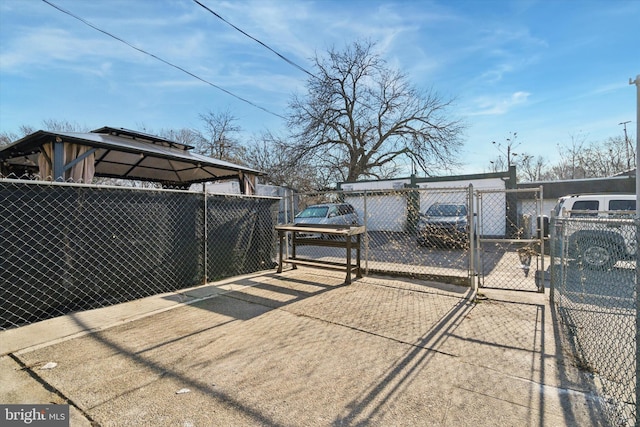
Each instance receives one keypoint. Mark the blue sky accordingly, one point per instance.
(552, 71)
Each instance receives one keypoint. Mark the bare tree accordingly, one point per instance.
(596, 159)
(530, 168)
(606, 159)
(499, 164)
(63, 126)
(579, 160)
(268, 153)
(184, 136)
(7, 138)
(359, 118)
(220, 138)
(571, 159)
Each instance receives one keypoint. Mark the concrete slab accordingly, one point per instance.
(77, 324)
(300, 348)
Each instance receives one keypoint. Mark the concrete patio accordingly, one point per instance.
(302, 349)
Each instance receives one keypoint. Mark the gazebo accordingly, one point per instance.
(117, 153)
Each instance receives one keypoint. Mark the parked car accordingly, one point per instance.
(328, 214)
(444, 224)
(602, 237)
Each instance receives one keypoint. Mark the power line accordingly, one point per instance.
(161, 60)
(287, 60)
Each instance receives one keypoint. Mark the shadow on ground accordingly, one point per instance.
(301, 348)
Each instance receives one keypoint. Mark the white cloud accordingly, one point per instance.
(52, 47)
(485, 106)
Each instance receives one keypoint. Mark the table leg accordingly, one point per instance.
(348, 281)
(359, 275)
(281, 239)
(293, 248)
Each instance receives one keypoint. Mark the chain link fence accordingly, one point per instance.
(412, 232)
(593, 276)
(511, 234)
(68, 247)
(71, 247)
(450, 234)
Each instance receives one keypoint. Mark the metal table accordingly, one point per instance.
(338, 236)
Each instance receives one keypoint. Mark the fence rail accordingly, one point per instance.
(594, 292)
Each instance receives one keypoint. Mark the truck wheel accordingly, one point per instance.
(601, 256)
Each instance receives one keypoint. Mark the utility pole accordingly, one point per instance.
(510, 144)
(637, 83)
(626, 145)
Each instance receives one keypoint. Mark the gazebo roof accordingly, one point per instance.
(127, 154)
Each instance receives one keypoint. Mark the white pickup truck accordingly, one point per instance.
(605, 232)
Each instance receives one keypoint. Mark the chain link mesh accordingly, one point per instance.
(428, 232)
(241, 236)
(68, 247)
(400, 239)
(510, 233)
(594, 291)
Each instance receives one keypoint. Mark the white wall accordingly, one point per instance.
(395, 184)
(478, 184)
(388, 211)
(385, 212)
(224, 187)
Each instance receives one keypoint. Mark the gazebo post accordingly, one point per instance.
(58, 159)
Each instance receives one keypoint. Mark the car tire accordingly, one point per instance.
(598, 255)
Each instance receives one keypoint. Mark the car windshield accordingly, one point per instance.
(447, 210)
(558, 207)
(314, 212)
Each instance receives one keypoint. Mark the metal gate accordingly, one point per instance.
(510, 239)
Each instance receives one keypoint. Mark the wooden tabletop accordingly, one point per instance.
(324, 229)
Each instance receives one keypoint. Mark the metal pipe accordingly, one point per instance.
(637, 83)
(472, 237)
(205, 234)
(58, 160)
(541, 235)
(366, 235)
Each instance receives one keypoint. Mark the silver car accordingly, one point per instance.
(328, 214)
(444, 224)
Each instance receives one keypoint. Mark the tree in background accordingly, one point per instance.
(62, 126)
(184, 136)
(570, 164)
(595, 159)
(268, 153)
(7, 138)
(577, 161)
(362, 119)
(531, 168)
(220, 138)
(608, 158)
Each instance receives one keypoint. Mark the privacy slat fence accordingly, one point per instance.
(68, 247)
